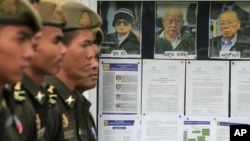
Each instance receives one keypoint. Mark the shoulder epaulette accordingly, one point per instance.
(19, 93)
(52, 94)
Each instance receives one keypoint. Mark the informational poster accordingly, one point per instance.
(180, 74)
(119, 86)
(122, 28)
(163, 87)
(240, 89)
(119, 128)
(158, 127)
(207, 88)
(175, 30)
(229, 32)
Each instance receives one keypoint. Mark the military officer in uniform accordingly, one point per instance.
(90, 80)
(40, 119)
(18, 23)
(79, 39)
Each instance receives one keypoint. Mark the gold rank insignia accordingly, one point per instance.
(51, 89)
(52, 95)
(38, 121)
(3, 104)
(65, 121)
(19, 94)
(18, 86)
(85, 20)
(52, 98)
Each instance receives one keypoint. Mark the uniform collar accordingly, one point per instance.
(83, 99)
(62, 90)
(36, 92)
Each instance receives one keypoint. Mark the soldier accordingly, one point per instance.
(41, 119)
(79, 39)
(90, 80)
(18, 23)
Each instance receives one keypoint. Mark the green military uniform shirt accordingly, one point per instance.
(76, 127)
(30, 108)
(87, 122)
(66, 102)
(54, 116)
(43, 109)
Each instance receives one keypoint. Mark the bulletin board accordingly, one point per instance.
(171, 90)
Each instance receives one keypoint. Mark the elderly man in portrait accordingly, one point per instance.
(230, 39)
(176, 39)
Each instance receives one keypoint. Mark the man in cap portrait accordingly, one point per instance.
(18, 23)
(81, 50)
(123, 38)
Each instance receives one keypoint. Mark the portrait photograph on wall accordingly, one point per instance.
(121, 27)
(175, 30)
(229, 30)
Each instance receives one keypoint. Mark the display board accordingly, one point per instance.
(173, 70)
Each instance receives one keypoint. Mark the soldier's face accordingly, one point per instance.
(50, 51)
(90, 80)
(15, 52)
(79, 53)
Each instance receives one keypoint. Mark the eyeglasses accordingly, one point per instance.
(230, 23)
(124, 22)
(177, 22)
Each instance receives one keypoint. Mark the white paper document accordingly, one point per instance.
(119, 128)
(119, 86)
(240, 89)
(159, 127)
(207, 88)
(163, 87)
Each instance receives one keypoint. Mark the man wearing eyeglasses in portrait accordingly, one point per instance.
(230, 38)
(123, 38)
(176, 39)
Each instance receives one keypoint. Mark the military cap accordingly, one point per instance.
(98, 34)
(19, 12)
(51, 13)
(59, 1)
(34, 1)
(80, 16)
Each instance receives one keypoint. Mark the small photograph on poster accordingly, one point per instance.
(229, 30)
(121, 27)
(175, 30)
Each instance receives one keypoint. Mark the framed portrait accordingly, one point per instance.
(175, 30)
(229, 30)
(121, 27)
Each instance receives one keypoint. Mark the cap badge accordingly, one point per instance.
(85, 20)
(8, 6)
